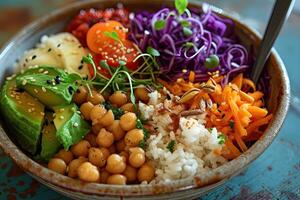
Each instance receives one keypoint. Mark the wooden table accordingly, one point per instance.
(274, 175)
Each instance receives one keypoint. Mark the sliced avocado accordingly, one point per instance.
(49, 144)
(23, 115)
(50, 90)
(71, 128)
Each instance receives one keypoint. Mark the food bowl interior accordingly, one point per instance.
(56, 22)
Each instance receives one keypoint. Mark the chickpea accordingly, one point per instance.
(134, 137)
(58, 165)
(128, 107)
(91, 138)
(130, 173)
(80, 95)
(81, 148)
(96, 157)
(120, 145)
(141, 93)
(107, 119)
(85, 110)
(128, 121)
(124, 155)
(136, 150)
(136, 159)
(115, 164)
(118, 98)
(116, 130)
(104, 176)
(112, 149)
(146, 173)
(116, 179)
(95, 98)
(105, 138)
(105, 152)
(96, 128)
(66, 156)
(73, 166)
(88, 172)
(97, 113)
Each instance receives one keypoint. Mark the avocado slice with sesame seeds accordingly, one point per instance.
(22, 114)
(70, 126)
(50, 90)
(49, 142)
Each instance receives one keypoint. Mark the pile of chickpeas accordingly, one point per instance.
(109, 154)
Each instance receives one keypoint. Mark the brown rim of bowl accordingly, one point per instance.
(211, 179)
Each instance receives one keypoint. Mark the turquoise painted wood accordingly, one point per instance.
(275, 175)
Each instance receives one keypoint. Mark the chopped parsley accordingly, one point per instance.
(171, 146)
(116, 111)
(231, 124)
(221, 138)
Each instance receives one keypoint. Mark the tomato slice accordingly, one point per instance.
(96, 37)
(117, 51)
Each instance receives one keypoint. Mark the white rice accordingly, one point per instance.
(195, 147)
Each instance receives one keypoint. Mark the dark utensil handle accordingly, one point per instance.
(280, 13)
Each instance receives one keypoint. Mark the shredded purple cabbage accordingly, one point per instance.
(211, 34)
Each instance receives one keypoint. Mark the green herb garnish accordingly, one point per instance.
(221, 139)
(187, 31)
(185, 23)
(212, 62)
(171, 146)
(181, 6)
(159, 24)
(113, 35)
(231, 124)
(142, 144)
(152, 51)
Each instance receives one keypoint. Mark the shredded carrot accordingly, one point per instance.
(237, 109)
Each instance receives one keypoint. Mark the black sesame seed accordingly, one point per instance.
(80, 67)
(33, 57)
(57, 80)
(19, 90)
(79, 46)
(59, 55)
(17, 60)
(58, 45)
(49, 49)
(70, 89)
(81, 61)
(48, 81)
(26, 60)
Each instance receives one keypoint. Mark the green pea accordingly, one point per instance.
(212, 62)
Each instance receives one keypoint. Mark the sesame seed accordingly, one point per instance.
(8, 78)
(61, 110)
(75, 124)
(36, 91)
(54, 114)
(24, 82)
(184, 71)
(45, 72)
(44, 89)
(58, 45)
(42, 113)
(49, 49)
(29, 110)
(55, 88)
(61, 117)
(33, 57)
(41, 70)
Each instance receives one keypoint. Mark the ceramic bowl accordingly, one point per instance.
(182, 189)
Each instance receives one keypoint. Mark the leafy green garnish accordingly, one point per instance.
(185, 23)
(142, 144)
(187, 31)
(159, 24)
(118, 112)
(89, 60)
(113, 35)
(231, 124)
(171, 146)
(181, 6)
(221, 139)
(212, 61)
(152, 51)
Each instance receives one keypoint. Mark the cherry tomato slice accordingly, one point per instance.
(116, 52)
(96, 37)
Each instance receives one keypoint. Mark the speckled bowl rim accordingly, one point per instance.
(211, 180)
